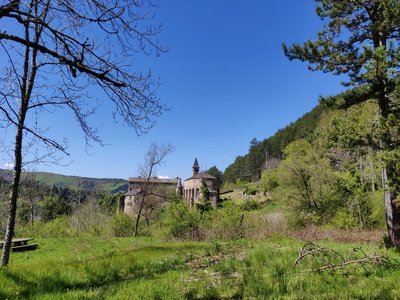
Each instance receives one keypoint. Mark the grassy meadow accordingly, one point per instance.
(148, 268)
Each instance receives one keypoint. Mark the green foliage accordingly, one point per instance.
(357, 40)
(122, 225)
(53, 206)
(217, 174)
(361, 39)
(81, 183)
(250, 166)
(307, 180)
(90, 219)
(331, 177)
(350, 97)
(142, 268)
(377, 216)
(344, 219)
(59, 227)
(269, 181)
(250, 204)
(204, 204)
(250, 190)
(226, 223)
(181, 221)
(111, 202)
(24, 212)
(392, 158)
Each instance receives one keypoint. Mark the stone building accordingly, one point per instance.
(192, 187)
(159, 188)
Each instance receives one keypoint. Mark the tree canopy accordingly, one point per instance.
(55, 53)
(362, 40)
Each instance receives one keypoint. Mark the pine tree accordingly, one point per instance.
(361, 39)
(204, 205)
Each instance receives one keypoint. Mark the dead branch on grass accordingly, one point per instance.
(316, 258)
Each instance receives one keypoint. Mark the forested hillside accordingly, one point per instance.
(74, 183)
(250, 166)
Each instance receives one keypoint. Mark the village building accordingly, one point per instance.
(190, 192)
(160, 187)
(192, 187)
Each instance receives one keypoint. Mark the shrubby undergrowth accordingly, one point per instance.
(230, 221)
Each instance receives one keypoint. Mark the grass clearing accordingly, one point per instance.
(145, 268)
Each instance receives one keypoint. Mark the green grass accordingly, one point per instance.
(144, 268)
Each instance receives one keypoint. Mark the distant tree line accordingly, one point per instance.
(249, 167)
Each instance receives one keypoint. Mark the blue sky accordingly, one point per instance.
(225, 79)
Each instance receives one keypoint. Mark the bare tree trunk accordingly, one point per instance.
(392, 213)
(13, 199)
(139, 214)
(32, 213)
(27, 82)
(56, 44)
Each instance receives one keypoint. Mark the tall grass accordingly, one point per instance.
(269, 273)
(84, 268)
(144, 268)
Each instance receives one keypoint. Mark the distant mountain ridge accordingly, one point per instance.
(112, 185)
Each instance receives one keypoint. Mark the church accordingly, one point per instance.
(190, 191)
(192, 187)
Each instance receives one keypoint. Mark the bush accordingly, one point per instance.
(269, 181)
(377, 217)
(122, 225)
(59, 227)
(260, 225)
(89, 219)
(250, 190)
(344, 219)
(226, 222)
(299, 219)
(250, 204)
(182, 222)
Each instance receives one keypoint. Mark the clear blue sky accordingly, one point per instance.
(225, 79)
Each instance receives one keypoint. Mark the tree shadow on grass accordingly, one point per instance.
(90, 277)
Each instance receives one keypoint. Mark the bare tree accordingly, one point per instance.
(55, 51)
(153, 159)
(32, 191)
(271, 161)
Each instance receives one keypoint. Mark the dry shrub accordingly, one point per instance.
(225, 223)
(89, 219)
(259, 225)
(314, 233)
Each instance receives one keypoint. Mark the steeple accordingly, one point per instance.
(179, 187)
(196, 167)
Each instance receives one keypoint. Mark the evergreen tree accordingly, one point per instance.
(254, 143)
(361, 39)
(250, 166)
(214, 171)
(204, 205)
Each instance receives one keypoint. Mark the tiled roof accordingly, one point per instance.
(202, 175)
(155, 180)
(132, 193)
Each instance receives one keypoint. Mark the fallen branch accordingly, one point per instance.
(326, 259)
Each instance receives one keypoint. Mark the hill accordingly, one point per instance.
(249, 166)
(112, 185)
